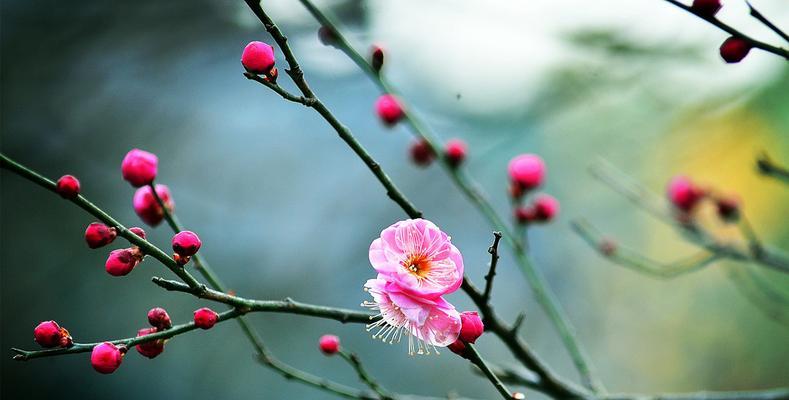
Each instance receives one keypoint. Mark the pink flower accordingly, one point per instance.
(472, 327)
(149, 349)
(417, 257)
(205, 318)
(389, 109)
(545, 207)
(683, 193)
(67, 187)
(258, 57)
(146, 206)
(186, 243)
(526, 171)
(427, 322)
(121, 262)
(455, 151)
(139, 167)
(98, 235)
(329, 344)
(106, 358)
(49, 334)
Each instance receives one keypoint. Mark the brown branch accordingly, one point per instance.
(493, 250)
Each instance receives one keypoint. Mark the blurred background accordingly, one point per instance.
(285, 209)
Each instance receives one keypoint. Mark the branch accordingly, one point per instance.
(368, 380)
(471, 190)
(309, 102)
(728, 29)
(769, 394)
(477, 360)
(756, 14)
(633, 260)
(769, 168)
(494, 259)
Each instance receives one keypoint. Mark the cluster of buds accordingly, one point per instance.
(470, 330)
(526, 173)
(258, 58)
(122, 261)
(160, 321)
(329, 344)
(735, 48)
(49, 334)
(185, 245)
(686, 196)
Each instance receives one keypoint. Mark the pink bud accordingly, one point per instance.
(526, 171)
(139, 167)
(707, 8)
(327, 36)
(734, 49)
(377, 58)
(98, 235)
(421, 153)
(146, 206)
(258, 57)
(121, 262)
(455, 151)
(472, 327)
(329, 344)
(68, 187)
(458, 347)
(138, 231)
(205, 318)
(683, 193)
(525, 214)
(159, 319)
(106, 358)
(149, 349)
(186, 243)
(389, 109)
(728, 207)
(545, 207)
(49, 334)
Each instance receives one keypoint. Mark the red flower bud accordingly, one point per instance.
(458, 347)
(377, 58)
(683, 193)
(98, 235)
(186, 243)
(472, 327)
(121, 262)
(258, 57)
(327, 36)
(149, 349)
(734, 49)
(159, 319)
(421, 153)
(139, 167)
(525, 214)
(526, 171)
(68, 187)
(329, 344)
(137, 231)
(545, 208)
(146, 206)
(205, 318)
(389, 109)
(49, 334)
(455, 151)
(106, 358)
(707, 8)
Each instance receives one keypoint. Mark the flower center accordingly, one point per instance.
(418, 265)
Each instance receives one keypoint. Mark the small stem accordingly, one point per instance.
(368, 380)
(768, 168)
(477, 360)
(493, 250)
(756, 14)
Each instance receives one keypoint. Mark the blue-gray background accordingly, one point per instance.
(285, 209)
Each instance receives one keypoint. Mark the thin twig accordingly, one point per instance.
(759, 16)
(368, 380)
(477, 360)
(734, 32)
(493, 250)
(769, 168)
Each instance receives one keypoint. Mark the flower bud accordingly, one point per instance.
(68, 187)
(329, 344)
(146, 206)
(458, 347)
(149, 349)
(139, 167)
(526, 171)
(121, 262)
(683, 193)
(186, 243)
(98, 235)
(525, 214)
(455, 152)
(607, 246)
(159, 319)
(258, 57)
(137, 231)
(734, 49)
(205, 318)
(377, 58)
(471, 326)
(421, 153)
(728, 208)
(545, 208)
(707, 8)
(49, 334)
(106, 358)
(327, 36)
(389, 109)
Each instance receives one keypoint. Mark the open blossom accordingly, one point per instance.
(419, 258)
(426, 322)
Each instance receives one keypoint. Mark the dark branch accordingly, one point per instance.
(493, 250)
